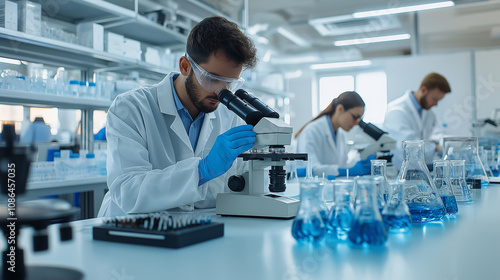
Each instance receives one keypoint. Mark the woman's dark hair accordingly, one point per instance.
(215, 33)
(348, 99)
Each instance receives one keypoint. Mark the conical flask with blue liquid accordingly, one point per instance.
(368, 227)
(341, 215)
(309, 223)
(396, 214)
(421, 195)
(441, 171)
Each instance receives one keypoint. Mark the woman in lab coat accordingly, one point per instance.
(323, 138)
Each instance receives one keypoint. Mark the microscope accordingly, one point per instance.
(381, 142)
(16, 213)
(248, 196)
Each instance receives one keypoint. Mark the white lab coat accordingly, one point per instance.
(324, 154)
(403, 122)
(151, 164)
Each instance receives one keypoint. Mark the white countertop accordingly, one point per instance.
(464, 247)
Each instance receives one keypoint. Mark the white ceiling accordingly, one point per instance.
(470, 24)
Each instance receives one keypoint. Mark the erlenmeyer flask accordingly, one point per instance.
(368, 227)
(466, 148)
(441, 172)
(342, 213)
(461, 189)
(309, 224)
(421, 195)
(396, 214)
(379, 168)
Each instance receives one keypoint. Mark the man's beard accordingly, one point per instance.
(194, 96)
(424, 104)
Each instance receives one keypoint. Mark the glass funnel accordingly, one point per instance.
(441, 171)
(421, 194)
(341, 215)
(368, 227)
(466, 148)
(396, 214)
(461, 189)
(309, 224)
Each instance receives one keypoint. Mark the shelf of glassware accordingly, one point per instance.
(19, 45)
(25, 98)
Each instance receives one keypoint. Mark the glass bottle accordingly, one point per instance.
(309, 224)
(368, 227)
(341, 215)
(421, 194)
(396, 214)
(461, 189)
(379, 168)
(441, 171)
(466, 148)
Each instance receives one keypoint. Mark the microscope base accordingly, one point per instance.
(268, 205)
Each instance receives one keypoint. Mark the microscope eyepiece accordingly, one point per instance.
(239, 107)
(257, 104)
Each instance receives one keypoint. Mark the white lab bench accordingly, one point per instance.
(464, 247)
(92, 189)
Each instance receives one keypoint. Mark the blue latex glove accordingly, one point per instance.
(362, 167)
(226, 148)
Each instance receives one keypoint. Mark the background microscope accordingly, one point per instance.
(248, 196)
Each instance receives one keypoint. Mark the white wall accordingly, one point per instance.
(456, 110)
(487, 82)
(301, 104)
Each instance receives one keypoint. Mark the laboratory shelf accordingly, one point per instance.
(65, 183)
(19, 45)
(49, 100)
(116, 19)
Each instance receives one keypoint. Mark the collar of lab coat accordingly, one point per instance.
(167, 106)
(418, 119)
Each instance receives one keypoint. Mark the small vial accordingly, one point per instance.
(74, 86)
(91, 90)
(83, 89)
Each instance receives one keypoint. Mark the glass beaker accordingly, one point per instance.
(379, 168)
(368, 227)
(396, 214)
(461, 189)
(309, 223)
(342, 213)
(421, 194)
(466, 148)
(441, 171)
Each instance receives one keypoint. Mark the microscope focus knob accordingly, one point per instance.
(236, 183)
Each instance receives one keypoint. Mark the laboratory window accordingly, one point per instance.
(371, 86)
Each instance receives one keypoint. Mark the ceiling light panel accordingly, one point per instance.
(344, 25)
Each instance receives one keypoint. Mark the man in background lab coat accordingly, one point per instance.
(171, 144)
(409, 117)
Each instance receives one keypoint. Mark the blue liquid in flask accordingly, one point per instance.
(370, 232)
(396, 223)
(340, 222)
(426, 212)
(450, 204)
(310, 230)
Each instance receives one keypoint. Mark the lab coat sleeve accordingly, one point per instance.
(398, 124)
(134, 186)
(307, 144)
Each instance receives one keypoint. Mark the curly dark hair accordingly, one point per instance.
(215, 33)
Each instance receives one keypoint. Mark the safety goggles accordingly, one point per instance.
(214, 83)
